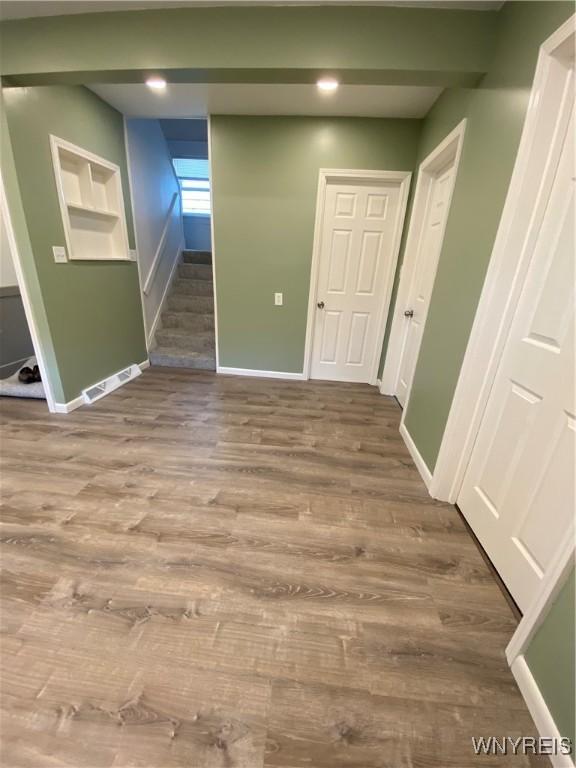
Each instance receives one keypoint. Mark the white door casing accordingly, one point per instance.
(548, 113)
(518, 491)
(358, 228)
(29, 310)
(435, 185)
(423, 280)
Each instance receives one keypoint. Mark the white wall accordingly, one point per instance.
(153, 185)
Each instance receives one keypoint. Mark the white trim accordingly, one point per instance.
(56, 143)
(134, 227)
(546, 120)
(449, 150)
(175, 264)
(325, 175)
(551, 585)
(538, 708)
(160, 247)
(212, 242)
(110, 383)
(71, 405)
(421, 466)
(29, 310)
(259, 374)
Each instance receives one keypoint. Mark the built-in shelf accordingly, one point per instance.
(93, 211)
(91, 202)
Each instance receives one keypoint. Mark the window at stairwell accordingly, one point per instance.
(194, 185)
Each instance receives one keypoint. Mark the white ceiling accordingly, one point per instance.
(200, 100)
(21, 9)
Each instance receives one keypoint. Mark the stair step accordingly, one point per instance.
(197, 257)
(184, 303)
(178, 358)
(195, 271)
(194, 321)
(187, 340)
(192, 287)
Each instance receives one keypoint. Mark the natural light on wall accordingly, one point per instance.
(194, 185)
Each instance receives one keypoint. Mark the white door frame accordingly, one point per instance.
(528, 193)
(29, 311)
(325, 176)
(530, 185)
(518, 646)
(449, 149)
(212, 240)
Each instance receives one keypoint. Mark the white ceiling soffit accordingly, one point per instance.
(200, 100)
(22, 9)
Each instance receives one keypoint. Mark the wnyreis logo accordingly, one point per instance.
(523, 745)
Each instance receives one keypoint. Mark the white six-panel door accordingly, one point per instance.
(428, 253)
(357, 261)
(518, 491)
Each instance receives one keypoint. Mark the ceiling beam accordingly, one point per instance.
(361, 45)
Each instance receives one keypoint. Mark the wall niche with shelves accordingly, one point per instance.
(91, 202)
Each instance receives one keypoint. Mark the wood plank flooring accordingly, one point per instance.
(219, 572)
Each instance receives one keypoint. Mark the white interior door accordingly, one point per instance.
(518, 491)
(357, 260)
(435, 214)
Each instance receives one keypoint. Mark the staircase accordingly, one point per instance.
(185, 338)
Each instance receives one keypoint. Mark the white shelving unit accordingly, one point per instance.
(91, 202)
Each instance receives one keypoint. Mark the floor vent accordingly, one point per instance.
(96, 391)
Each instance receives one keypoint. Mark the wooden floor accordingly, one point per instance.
(219, 572)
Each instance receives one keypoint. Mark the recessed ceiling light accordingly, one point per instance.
(327, 84)
(156, 83)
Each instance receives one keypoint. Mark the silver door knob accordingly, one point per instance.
(409, 313)
(320, 305)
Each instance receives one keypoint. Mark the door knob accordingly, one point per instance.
(320, 305)
(409, 313)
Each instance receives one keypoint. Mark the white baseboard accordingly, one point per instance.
(425, 473)
(71, 405)
(152, 331)
(105, 387)
(538, 709)
(259, 374)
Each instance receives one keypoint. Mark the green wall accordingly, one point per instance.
(252, 45)
(18, 221)
(265, 181)
(551, 659)
(92, 309)
(495, 113)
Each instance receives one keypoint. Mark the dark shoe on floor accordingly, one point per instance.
(26, 375)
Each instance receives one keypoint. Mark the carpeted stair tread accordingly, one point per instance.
(185, 303)
(195, 271)
(196, 257)
(185, 335)
(197, 321)
(184, 286)
(183, 338)
(179, 358)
